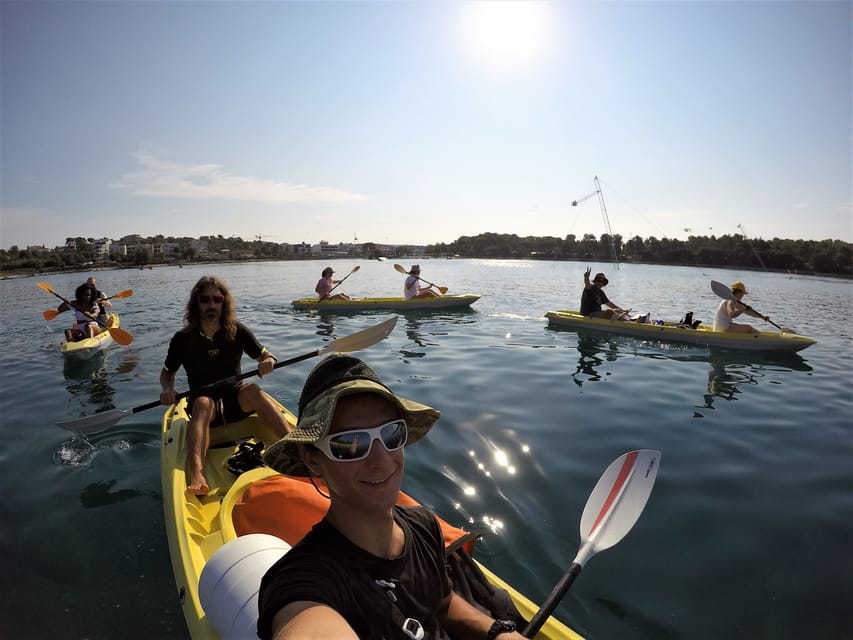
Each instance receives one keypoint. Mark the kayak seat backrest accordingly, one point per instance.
(288, 507)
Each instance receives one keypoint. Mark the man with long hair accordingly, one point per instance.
(209, 347)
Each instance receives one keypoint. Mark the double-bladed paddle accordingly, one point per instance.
(51, 314)
(121, 336)
(726, 293)
(402, 269)
(354, 342)
(340, 282)
(611, 510)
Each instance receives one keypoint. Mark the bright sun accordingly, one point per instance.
(506, 35)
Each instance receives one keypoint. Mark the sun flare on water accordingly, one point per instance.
(505, 35)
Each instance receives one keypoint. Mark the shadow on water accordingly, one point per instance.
(100, 494)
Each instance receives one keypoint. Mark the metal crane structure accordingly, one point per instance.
(601, 204)
(760, 261)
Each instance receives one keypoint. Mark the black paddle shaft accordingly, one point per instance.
(748, 308)
(231, 380)
(552, 601)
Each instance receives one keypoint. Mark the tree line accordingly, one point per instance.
(831, 257)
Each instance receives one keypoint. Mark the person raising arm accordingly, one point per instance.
(593, 297)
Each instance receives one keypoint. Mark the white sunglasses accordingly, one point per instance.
(349, 446)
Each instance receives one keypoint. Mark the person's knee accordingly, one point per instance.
(250, 396)
(203, 408)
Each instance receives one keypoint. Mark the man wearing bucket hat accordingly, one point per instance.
(411, 288)
(593, 297)
(369, 569)
(730, 309)
(325, 284)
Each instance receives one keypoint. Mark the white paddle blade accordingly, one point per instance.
(95, 423)
(722, 290)
(617, 501)
(360, 339)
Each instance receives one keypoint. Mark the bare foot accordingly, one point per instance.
(198, 487)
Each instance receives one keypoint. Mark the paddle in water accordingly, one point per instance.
(724, 292)
(354, 342)
(400, 268)
(51, 314)
(611, 510)
(121, 336)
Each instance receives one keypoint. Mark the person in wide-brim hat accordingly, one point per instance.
(412, 288)
(593, 297)
(338, 580)
(334, 378)
(730, 309)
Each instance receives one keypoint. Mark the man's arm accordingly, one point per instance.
(462, 620)
(167, 387)
(305, 620)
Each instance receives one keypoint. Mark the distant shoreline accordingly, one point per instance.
(25, 273)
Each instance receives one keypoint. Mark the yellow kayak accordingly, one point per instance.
(88, 347)
(199, 527)
(386, 304)
(771, 341)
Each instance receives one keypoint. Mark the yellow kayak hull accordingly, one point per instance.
(386, 304)
(771, 341)
(88, 347)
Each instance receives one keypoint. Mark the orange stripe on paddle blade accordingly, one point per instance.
(615, 490)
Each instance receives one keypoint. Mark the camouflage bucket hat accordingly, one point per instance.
(335, 377)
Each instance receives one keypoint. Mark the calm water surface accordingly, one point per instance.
(748, 534)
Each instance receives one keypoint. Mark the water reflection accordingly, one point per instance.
(326, 326)
(594, 350)
(730, 371)
(417, 339)
(729, 374)
(90, 381)
(423, 327)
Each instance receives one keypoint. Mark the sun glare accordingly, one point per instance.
(505, 35)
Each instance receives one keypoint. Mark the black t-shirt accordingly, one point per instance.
(326, 567)
(208, 360)
(591, 300)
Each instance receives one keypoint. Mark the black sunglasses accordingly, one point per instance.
(206, 299)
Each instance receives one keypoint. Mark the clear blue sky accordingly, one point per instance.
(419, 122)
